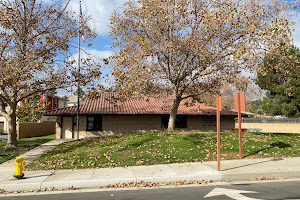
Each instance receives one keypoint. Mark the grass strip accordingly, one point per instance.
(162, 148)
(24, 145)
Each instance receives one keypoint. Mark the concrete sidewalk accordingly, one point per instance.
(252, 168)
(33, 154)
(230, 170)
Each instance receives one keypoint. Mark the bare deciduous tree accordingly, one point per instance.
(194, 46)
(35, 42)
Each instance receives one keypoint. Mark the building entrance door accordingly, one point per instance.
(67, 126)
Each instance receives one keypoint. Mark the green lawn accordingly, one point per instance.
(162, 148)
(24, 145)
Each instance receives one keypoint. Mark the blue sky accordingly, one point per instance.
(100, 11)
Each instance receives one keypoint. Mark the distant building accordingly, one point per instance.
(55, 101)
(52, 102)
(72, 101)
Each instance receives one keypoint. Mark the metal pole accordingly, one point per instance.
(219, 108)
(240, 126)
(78, 75)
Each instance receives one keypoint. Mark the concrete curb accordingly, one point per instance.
(270, 175)
(37, 180)
(104, 182)
(91, 183)
(50, 180)
(21, 187)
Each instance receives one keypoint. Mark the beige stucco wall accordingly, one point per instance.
(273, 127)
(25, 130)
(199, 123)
(62, 103)
(227, 123)
(195, 123)
(113, 125)
(82, 128)
(61, 124)
(124, 124)
(128, 124)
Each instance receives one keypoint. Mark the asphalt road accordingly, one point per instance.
(245, 191)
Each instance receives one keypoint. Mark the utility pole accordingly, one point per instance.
(78, 74)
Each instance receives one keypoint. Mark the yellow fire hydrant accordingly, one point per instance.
(19, 168)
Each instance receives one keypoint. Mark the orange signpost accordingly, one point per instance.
(242, 101)
(219, 108)
(240, 105)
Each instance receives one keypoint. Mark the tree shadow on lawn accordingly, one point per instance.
(75, 145)
(30, 143)
(137, 144)
(200, 138)
(68, 147)
(276, 134)
(273, 145)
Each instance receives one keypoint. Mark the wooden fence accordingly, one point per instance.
(26, 130)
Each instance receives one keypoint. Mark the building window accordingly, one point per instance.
(94, 123)
(164, 122)
(55, 103)
(209, 121)
(181, 121)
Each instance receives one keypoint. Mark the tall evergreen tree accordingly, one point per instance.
(281, 79)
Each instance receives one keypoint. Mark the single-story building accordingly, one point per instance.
(111, 113)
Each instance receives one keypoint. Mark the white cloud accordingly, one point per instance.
(93, 53)
(100, 11)
(99, 54)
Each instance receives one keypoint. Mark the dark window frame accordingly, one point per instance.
(55, 103)
(209, 121)
(97, 123)
(181, 121)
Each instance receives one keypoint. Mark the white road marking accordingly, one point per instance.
(234, 194)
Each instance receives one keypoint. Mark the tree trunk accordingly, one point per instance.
(12, 128)
(172, 119)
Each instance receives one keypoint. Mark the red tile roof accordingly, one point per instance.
(112, 103)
